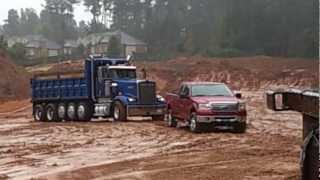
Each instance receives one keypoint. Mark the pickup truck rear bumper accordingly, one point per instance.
(146, 110)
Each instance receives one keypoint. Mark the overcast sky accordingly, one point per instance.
(80, 13)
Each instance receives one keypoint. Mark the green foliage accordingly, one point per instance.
(114, 47)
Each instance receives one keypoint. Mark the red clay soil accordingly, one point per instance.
(248, 73)
(14, 80)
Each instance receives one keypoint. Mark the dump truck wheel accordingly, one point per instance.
(39, 113)
(62, 111)
(194, 125)
(71, 112)
(119, 112)
(84, 112)
(51, 113)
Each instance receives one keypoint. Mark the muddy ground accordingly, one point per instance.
(143, 149)
(149, 150)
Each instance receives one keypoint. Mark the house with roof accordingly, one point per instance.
(36, 46)
(98, 43)
(69, 47)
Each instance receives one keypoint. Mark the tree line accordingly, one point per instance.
(208, 27)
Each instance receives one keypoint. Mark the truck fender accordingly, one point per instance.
(122, 99)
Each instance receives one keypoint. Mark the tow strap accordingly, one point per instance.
(313, 135)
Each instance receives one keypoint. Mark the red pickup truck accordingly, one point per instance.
(206, 104)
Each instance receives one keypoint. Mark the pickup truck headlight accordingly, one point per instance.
(204, 106)
(160, 98)
(132, 99)
(242, 106)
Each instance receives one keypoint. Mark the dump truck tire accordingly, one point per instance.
(119, 112)
(84, 112)
(39, 113)
(51, 113)
(72, 112)
(62, 112)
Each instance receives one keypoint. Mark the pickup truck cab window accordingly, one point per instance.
(210, 90)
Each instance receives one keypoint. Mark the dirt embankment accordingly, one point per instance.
(14, 80)
(251, 73)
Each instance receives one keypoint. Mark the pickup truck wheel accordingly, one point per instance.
(119, 112)
(51, 113)
(172, 122)
(84, 112)
(39, 113)
(241, 128)
(71, 112)
(194, 125)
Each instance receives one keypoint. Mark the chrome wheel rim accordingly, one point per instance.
(71, 111)
(61, 112)
(50, 114)
(169, 116)
(193, 124)
(116, 113)
(38, 114)
(81, 111)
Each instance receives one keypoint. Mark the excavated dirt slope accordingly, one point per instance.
(142, 149)
(14, 81)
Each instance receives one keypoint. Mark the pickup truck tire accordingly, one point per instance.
(62, 112)
(119, 112)
(240, 128)
(71, 112)
(194, 125)
(51, 113)
(158, 118)
(172, 122)
(84, 112)
(39, 113)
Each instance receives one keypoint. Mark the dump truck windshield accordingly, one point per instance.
(210, 90)
(123, 73)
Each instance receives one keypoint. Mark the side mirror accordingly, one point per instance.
(183, 96)
(238, 95)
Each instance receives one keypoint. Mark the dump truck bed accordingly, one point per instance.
(55, 89)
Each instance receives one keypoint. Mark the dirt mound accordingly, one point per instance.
(251, 73)
(14, 81)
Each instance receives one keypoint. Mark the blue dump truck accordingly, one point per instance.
(107, 87)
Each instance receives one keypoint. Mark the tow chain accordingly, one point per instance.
(313, 135)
